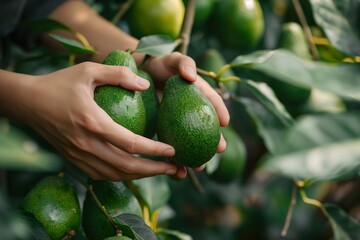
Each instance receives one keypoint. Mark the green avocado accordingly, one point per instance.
(292, 38)
(53, 202)
(151, 103)
(116, 198)
(233, 159)
(188, 122)
(124, 106)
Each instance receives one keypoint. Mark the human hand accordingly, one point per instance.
(61, 108)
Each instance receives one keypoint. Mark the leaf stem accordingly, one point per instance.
(290, 212)
(195, 181)
(121, 11)
(187, 26)
(305, 25)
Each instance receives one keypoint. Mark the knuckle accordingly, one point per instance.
(128, 167)
(131, 145)
(90, 123)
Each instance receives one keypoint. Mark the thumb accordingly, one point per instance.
(119, 76)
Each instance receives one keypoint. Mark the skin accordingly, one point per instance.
(61, 108)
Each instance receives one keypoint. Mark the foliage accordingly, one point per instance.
(301, 177)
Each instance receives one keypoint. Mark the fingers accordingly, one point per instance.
(222, 145)
(122, 76)
(216, 100)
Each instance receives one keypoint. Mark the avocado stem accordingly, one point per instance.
(187, 26)
(195, 181)
(289, 212)
(121, 11)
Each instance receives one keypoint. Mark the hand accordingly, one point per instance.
(61, 108)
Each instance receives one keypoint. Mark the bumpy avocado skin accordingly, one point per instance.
(116, 198)
(54, 203)
(124, 106)
(188, 122)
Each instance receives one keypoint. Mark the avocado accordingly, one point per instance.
(118, 238)
(151, 103)
(188, 122)
(233, 159)
(53, 202)
(124, 106)
(116, 198)
(212, 60)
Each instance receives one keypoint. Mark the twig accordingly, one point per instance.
(305, 25)
(195, 181)
(187, 26)
(290, 212)
(122, 10)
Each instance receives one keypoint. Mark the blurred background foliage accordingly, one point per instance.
(292, 152)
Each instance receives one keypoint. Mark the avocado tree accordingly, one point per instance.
(289, 73)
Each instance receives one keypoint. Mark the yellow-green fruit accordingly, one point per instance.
(151, 103)
(116, 198)
(156, 17)
(293, 39)
(188, 122)
(54, 203)
(233, 159)
(238, 24)
(212, 60)
(124, 106)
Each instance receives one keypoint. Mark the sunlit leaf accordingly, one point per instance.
(336, 26)
(344, 227)
(342, 79)
(72, 46)
(325, 147)
(156, 45)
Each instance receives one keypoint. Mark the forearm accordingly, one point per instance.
(102, 34)
(15, 89)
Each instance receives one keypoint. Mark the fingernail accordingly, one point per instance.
(169, 152)
(142, 82)
(190, 71)
(171, 171)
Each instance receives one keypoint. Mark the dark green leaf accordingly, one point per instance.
(155, 190)
(72, 46)
(156, 45)
(268, 126)
(141, 230)
(319, 148)
(342, 79)
(344, 227)
(336, 26)
(47, 25)
(179, 235)
(19, 152)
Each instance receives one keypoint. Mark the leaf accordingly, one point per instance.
(267, 97)
(137, 224)
(175, 233)
(72, 46)
(344, 227)
(155, 191)
(47, 25)
(336, 26)
(268, 126)
(19, 152)
(319, 148)
(342, 79)
(156, 45)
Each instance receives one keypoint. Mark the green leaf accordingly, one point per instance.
(319, 148)
(19, 152)
(267, 97)
(179, 235)
(336, 26)
(47, 25)
(156, 45)
(342, 79)
(141, 230)
(344, 227)
(154, 190)
(268, 126)
(72, 46)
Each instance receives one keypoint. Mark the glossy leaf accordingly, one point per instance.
(140, 229)
(156, 45)
(336, 25)
(154, 190)
(19, 152)
(342, 79)
(319, 148)
(71, 45)
(344, 227)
